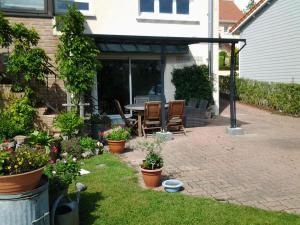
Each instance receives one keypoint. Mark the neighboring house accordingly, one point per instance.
(130, 67)
(229, 15)
(272, 31)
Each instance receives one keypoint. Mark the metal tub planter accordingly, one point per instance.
(27, 208)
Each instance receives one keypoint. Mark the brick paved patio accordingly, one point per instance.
(260, 168)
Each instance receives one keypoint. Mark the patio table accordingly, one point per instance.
(139, 108)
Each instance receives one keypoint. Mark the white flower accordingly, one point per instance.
(65, 161)
(99, 144)
(53, 172)
(74, 159)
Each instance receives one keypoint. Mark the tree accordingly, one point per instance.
(77, 53)
(26, 60)
(5, 32)
(251, 3)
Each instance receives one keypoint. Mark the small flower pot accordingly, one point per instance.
(116, 146)
(19, 183)
(151, 177)
(172, 185)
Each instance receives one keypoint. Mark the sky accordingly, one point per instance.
(241, 3)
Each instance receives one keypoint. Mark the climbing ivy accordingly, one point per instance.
(77, 53)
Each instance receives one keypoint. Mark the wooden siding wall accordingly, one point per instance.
(273, 44)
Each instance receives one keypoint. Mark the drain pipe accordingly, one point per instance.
(212, 63)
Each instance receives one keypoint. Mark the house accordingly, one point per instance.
(129, 35)
(272, 31)
(229, 15)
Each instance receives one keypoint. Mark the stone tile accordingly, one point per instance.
(259, 169)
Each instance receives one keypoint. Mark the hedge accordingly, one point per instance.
(192, 82)
(267, 95)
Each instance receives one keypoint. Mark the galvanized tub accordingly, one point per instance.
(29, 208)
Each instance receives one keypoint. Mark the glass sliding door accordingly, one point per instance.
(146, 78)
(113, 83)
(120, 79)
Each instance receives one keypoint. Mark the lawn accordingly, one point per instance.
(114, 197)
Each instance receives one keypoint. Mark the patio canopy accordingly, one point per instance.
(168, 45)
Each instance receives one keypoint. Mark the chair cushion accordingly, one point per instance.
(175, 120)
(152, 122)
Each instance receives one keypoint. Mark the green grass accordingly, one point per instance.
(114, 197)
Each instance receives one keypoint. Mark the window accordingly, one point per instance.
(225, 29)
(84, 6)
(146, 5)
(166, 6)
(26, 6)
(183, 6)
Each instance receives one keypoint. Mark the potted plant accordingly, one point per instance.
(61, 174)
(21, 171)
(116, 139)
(151, 167)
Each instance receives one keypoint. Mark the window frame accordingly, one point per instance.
(47, 12)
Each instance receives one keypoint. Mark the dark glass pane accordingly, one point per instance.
(146, 78)
(166, 6)
(82, 5)
(38, 5)
(146, 5)
(183, 6)
(113, 83)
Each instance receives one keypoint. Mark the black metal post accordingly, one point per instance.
(162, 81)
(232, 88)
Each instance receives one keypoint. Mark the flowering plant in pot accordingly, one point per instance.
(90, 147)
(152, 165)
(21, 171)
(61, 174)
(117, 138)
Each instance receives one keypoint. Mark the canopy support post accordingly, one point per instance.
(162, 80)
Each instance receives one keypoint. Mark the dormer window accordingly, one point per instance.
(183, 6)
(147, 6)
(165, 6)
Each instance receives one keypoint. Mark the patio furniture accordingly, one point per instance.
(152, 117)
(175, 116)
(141, 99)
(129, 122)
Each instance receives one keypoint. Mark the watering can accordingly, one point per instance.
(66, 211)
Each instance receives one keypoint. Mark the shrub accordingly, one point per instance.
(88, 143)
(20, 115)
(62, 174)
(118, 134)
(25, 159)
(39, 138)
(267, 95)
(7, 128)
(69, 123)
(192, 82)
(72, 147)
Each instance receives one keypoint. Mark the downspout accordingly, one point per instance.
(210, 35)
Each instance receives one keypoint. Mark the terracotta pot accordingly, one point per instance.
(116, 146)
(19, 183)
(152, 177)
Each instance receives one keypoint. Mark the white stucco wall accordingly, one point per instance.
(122, 17)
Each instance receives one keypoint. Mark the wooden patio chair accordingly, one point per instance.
(152, 117)
(175, 116)
(129, 122)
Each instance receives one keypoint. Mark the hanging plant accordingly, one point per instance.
(77, 53)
